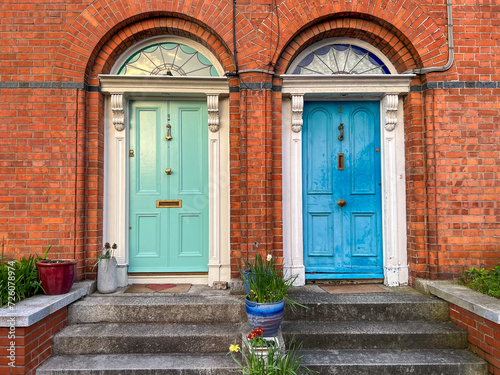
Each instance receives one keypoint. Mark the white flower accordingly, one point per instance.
(269, 257)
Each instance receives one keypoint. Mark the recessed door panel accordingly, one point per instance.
(363, 174)
(364, 232)
(149, 227)
(147, 148)
(191, 151)
(321, 224)
(190, 245)
(319, 155)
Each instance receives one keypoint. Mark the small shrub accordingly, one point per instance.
(19, 278)
(483, 281)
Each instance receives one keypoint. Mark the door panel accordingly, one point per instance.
(342, 164)
(166, 238)
(147, 173)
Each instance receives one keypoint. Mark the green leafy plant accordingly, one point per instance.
(483, 280)
(19, 278)
(276, 362)
(267, 282)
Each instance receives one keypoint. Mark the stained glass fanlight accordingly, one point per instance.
(341, 59)
(169, 59)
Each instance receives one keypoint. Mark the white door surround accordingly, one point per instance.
(118, 91)
(385, 88)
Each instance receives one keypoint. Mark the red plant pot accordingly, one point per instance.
(57, 278)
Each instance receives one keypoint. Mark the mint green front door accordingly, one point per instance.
(168, 186)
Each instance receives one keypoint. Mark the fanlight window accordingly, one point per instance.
(341, 59)
(169, 59)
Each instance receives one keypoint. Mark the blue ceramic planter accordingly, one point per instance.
(267, 316)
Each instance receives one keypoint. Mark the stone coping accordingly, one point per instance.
(486, 306)
(34, 309)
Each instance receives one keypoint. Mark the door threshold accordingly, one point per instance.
(198, 278)
(166, 273)
(344, 281)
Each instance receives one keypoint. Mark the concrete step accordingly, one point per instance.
(340, 362)
(139, 364)
(135, 338)
(375, 335)
(394, 362)
(158, 309)
(401, 304)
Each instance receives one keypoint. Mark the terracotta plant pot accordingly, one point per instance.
(57, 276)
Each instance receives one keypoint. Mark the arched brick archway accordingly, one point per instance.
(404, 32)
(150, 27)
(395, 46)
(106, 28)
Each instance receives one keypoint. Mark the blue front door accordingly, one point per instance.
(342, 190)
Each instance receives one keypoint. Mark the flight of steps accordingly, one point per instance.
(400, 332)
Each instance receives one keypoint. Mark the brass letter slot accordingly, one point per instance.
(340, 162)
(169, 204)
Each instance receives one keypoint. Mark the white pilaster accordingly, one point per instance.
(214, 248)
(293, 249)
(393, 187)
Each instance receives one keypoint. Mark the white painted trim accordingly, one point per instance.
(355, 42)
(366, 85)
(176, 279)
(164, 85)
(116, 166)
(386, 89)
(167, 39)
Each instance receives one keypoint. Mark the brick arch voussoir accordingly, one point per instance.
(95, 26)
(392, 43)
(405, 19)
(119, 42)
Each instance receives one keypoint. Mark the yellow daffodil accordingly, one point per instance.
(234, 348)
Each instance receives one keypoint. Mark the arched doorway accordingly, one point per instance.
(166, 163)
(344, 194)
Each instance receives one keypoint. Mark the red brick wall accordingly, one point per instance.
(33, 344)
(51, 142)
(484, 336)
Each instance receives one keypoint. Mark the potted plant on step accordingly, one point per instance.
(268, 287)
(107, 279)
(277, 361)
(57, 275)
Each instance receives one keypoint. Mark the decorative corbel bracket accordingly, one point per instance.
(213, 113)
(297, 111)
(391, 114)
(118, 112)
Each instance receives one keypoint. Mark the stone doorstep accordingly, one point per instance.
(485, 306)
(34, 309)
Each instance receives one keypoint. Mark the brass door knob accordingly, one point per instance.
(341, 202)
(168, 171)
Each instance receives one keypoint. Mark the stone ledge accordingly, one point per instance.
(486, 306)
(34, 309)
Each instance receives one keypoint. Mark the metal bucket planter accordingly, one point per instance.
(267, 316)
(107, 279)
